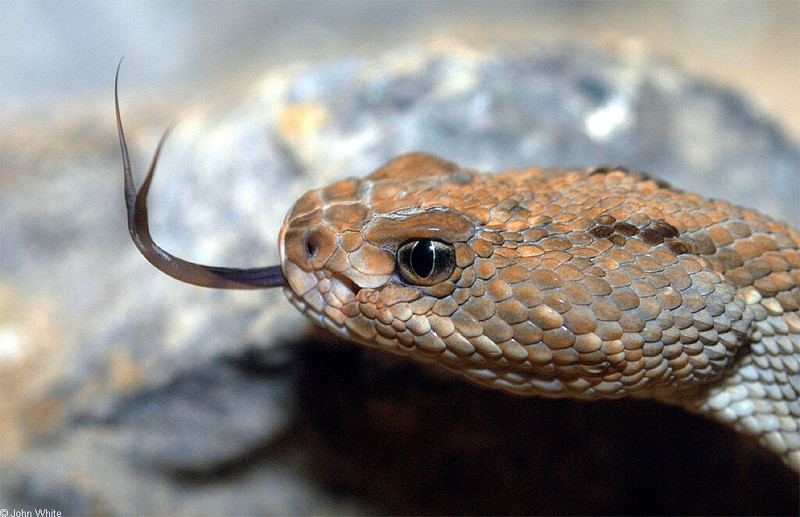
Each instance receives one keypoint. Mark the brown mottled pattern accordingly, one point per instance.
(587, 284)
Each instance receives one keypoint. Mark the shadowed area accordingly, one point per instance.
(414, 443)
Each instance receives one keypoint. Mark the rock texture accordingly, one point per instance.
(125, 392)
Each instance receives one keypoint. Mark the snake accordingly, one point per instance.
(591, 284)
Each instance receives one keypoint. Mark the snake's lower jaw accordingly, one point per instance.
(332, 301)
(318, 294)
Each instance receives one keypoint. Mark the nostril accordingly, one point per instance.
(312, 246)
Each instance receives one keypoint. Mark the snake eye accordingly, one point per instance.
(425, 261)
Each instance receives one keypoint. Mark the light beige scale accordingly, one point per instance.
(589, 284)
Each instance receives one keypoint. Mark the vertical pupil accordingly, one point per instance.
(422, 258)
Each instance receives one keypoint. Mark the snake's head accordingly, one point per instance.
(368, 259)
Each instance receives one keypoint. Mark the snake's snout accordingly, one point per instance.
(316, 270)
(323, 236)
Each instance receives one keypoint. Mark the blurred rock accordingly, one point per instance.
(125, 392)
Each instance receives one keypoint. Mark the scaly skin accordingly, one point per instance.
(588, 284)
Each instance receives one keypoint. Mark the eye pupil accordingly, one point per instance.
(425, 261)
(423, 257)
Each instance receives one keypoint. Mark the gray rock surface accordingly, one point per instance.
(125, 392)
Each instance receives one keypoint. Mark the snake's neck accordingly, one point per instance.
(760, 396)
